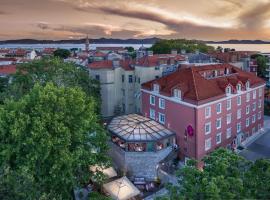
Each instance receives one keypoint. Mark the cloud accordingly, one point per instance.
(3, 12)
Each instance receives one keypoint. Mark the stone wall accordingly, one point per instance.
(138, 164)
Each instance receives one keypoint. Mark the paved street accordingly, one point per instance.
(260, 148)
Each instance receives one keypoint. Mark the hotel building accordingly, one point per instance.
(207, 107)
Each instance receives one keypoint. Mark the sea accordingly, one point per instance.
(263, 48)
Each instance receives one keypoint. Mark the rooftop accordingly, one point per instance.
(136, 128)
(203, 82)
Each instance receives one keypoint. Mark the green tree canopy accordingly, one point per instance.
(165, 46)
(48, 139)
(61, 53)
(225, 175)
(52, 70)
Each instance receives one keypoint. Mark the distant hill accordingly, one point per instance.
(239, 42)
(81, 41)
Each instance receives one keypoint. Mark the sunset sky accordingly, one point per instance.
(192, 19)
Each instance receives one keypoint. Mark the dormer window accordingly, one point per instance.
(228, 90)
(227, 71)
(238, 87)
(156, 88)
(177, 93)
(247, 85)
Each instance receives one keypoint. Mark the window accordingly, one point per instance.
(207, 144)
(208, 112)
(218, 138)
(247, 97)
(229, 118)
(152, 114)
(254, 106)
(259, 126)
(239, 127)
(259, 115)
(130, 78)
(247, 85)
(139, 80)
(253, 118)
(238, 100)
(239, 114)
(229, 104)
(254, 94)
(218, 107)
(123, 78)
(218, 123)
(161, 118)
(207, 128)
(239, 87)
(161, 103)
(247, 109)
(156, 88)
(228, 133)
(152, 100)
(156, 77)
(247, 122)
(97, 77)
(260, 103)
(260, 92)
(228, 90)
(177, 93)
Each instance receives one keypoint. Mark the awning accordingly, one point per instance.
(108, 172)
(121, 189)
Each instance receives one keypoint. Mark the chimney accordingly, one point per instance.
(149, 53)
(174, 52)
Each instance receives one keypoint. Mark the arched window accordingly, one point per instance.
(177, 93)
(239, 87)
(228, 90)
(156, 88)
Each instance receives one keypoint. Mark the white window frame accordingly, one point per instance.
(207, 144)
(229, 104)
(229, 133)
(239, 87)
(247, 109)
(160, 118)
(207, 112)
(152, 114)
(260, 92)
(248, 97)
(239, 113)
(161, 103)
(260, 103)
(247, 122)
(209, 131)
(177, 94)
(218, 136)
(219, 108)
(259, 115)
(155, 88)
(254, 94)
(228, 90)
(239, 99)
(253, 119)
(247, 85)
(229, 116)
(218, 123)
(254, 106)
(152, 97)
(238, 127)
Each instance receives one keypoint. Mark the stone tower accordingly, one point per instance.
(87, 44)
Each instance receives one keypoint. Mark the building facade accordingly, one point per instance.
(207, 107)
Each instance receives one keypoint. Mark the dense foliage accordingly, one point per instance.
(225, 175)
(53, 70)
(165, 46)
(48, 139)
(61, 53)
(262, 64)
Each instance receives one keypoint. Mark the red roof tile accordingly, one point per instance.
(7, 69)
(195, 86)
(104, 64)
(154, 60)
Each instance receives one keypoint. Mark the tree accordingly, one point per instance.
(48, 140)
(61, 53)
(225, 175)
(130, 49)
(261, 61)
(166, 46)
(52, 70)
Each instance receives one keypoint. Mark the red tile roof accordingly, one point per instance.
(194, 86)
(8, 59)
(108, 64)
(154, 60)
(7, 69)
(232, 56)
(110, 48)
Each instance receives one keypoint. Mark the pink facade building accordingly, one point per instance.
(206, 106)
